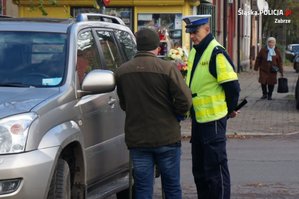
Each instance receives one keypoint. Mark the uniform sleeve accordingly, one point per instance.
(225, 71)
(231, 90)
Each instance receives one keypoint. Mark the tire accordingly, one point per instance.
(125, 194)
(60, 187)
(297, 94)
(296, 67)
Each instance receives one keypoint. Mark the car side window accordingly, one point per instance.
(127, 43)
(110, 50)
(87, 54)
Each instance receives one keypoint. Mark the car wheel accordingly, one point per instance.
(60, 187)
(125, 194)
(297, 94)
(296, 67)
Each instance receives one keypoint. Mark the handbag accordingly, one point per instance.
(274, 69)
(282, 85)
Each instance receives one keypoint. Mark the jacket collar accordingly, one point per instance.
(204, 43)
(145, 53)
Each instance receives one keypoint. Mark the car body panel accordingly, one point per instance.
(33, 168)
(20, 100)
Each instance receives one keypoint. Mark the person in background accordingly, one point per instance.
(268, 62)
(215, 93)
(155, 98)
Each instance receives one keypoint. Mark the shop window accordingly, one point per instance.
(169, 27)
(126, 14)
(206, 7)
(110, 51)
(75, 11)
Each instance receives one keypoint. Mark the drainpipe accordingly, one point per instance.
(224, 22)
(4, 7)
(238, 40)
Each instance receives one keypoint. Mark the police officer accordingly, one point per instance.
(215, 93)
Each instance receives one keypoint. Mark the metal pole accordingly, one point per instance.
(163, 194)
(130, 177)
(102, 9)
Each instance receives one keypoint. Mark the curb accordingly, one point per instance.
(246, 134)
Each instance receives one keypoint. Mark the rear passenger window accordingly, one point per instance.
(110, 51)
(87, 54)
(127, 43)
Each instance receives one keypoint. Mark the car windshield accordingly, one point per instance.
(32, 59)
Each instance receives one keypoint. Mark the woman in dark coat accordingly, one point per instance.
(268, 56)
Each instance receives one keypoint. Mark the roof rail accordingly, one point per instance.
(99, 17)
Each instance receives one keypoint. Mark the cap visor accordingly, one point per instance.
(190, 30)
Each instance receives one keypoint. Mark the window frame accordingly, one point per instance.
(101, 52)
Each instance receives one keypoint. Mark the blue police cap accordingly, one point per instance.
(194, 21)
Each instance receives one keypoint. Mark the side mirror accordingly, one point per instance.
(98, 81)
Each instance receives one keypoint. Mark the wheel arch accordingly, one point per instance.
(69, 140)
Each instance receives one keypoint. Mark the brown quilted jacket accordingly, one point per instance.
(153, 93)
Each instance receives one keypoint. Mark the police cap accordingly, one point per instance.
(194, 21)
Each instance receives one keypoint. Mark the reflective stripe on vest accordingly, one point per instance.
(208, 96)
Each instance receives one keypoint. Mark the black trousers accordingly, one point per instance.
(270, 89)
(209, 159)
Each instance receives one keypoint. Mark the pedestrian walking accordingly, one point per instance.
(268, 62)
(215, 92)
(155, 98)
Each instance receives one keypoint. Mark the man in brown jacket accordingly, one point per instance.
(155, 97)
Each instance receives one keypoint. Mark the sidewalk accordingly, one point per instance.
(262, 117)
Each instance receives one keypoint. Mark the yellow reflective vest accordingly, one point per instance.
(208, 95)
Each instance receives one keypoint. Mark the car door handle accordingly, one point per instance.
(111, 101)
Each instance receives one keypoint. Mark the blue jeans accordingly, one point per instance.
(167, 159)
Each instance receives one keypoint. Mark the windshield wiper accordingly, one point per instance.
(15, 84)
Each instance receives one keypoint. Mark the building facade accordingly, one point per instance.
(164, 16)
(239, 34)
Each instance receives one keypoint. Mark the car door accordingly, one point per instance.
(102, 121)
(112, 58)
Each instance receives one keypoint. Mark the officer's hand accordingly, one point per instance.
(233, 114)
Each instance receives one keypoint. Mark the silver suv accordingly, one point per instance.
(61, 127)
